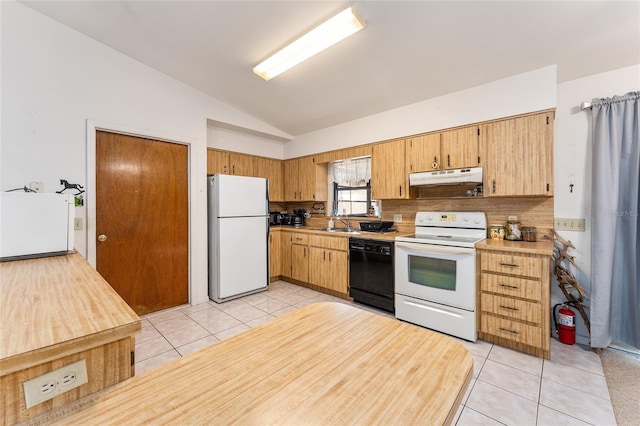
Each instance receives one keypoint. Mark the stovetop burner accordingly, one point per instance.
(459, 229)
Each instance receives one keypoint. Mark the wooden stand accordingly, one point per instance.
(569, 285)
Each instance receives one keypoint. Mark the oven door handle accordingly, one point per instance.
(433, 248)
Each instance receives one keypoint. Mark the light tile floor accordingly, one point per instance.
(507, 387)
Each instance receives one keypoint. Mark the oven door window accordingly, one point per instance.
(431, 272)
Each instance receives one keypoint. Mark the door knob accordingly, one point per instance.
(102, 238)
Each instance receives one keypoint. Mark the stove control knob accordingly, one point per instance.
(466, 218)
(476, 220)
(429, 217)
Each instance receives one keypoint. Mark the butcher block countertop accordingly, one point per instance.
(541, 247)
(55, 306)
(325, 363)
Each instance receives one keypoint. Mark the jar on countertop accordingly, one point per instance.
(514, 231)
(497, 232)
(529, 233)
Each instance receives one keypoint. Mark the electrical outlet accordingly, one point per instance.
(54, 383)
(37, 186)
(77, 223)
(397, 218)
(569, 224)
(512, 217)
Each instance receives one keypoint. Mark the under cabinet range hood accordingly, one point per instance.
(446, 177)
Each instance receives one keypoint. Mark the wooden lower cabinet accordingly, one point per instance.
(321, 262)
(514, 300)
(275, 254)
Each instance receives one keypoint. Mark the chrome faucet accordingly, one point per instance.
(347, 224)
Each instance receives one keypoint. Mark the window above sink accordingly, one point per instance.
(349, 182)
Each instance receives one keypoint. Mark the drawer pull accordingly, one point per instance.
(298, 239)
(508, 331)
(508, 308)
(510, 265)
(511, 287)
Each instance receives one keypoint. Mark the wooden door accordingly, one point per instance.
(142, 215)
(389, 178)
(460, 148)
(423, 153)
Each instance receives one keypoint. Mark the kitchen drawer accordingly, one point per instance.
(511, 286)
(511, 330)
(302, 239)
(511, 264)
(509, 307)
(334, 243)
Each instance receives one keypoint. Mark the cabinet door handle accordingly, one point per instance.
(448, 160)
(508, 331)
(509, 308)
(233, 169)
(509, 265)
(510, 287)
(401, 190)
(329, 256)
(493, 186)
(324, 255)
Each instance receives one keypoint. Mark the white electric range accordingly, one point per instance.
(435, 272)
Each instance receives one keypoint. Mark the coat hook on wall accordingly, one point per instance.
(570, 183)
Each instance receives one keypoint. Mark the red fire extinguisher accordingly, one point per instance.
(565, 321)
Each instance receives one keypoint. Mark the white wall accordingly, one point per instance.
(523, 93)
(240, 140)
(572, 143)
(55, 79)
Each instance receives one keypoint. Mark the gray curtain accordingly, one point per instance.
(615, 190)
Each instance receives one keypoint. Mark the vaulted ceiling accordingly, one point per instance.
(410, 50)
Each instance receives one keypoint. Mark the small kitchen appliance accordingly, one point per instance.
(36, 225)
(298, 218)
(435, 272)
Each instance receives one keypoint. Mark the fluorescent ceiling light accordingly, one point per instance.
(327, 34)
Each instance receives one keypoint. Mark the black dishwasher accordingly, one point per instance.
(371, 273)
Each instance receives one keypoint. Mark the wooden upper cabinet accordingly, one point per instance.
(343, 154)
(271, 169)
(519, 156)
(241, 164)
(389, 177)
(229, 163)
(217, 162)
(305, 180)
(423, 153)
(460, 148)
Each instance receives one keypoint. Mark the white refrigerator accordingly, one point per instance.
(238, 226)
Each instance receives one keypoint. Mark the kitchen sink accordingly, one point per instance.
(338, 230)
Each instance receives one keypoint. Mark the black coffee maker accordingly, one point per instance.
(298, 217)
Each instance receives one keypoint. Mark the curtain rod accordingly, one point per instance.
(585, 105)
